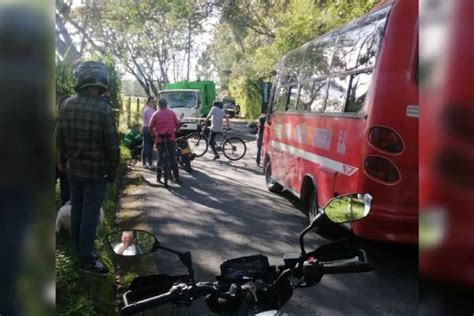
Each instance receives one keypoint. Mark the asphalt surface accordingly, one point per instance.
(223, 210)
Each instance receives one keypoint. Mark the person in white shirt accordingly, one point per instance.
(128, 246)
(217, 114)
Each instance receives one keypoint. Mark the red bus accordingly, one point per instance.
(447, 151)
(343, 118)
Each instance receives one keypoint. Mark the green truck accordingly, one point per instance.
(205, 89)
(190, 100)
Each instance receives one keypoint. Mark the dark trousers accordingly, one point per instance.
(65, 190)
(259, 147)
(212, 141)
(171, 154)
(87, 196)
(147, 153)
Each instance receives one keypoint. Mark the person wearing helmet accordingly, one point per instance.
(217, 114)
(87, 135)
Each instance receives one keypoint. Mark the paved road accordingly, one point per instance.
(224, 211)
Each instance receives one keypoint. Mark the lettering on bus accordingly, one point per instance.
(341, 143)
(322, 138)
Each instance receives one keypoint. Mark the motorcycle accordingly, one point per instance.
(184, 155)
(250, 285)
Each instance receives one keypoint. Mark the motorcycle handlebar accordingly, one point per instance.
(346, 266)
(177, 293)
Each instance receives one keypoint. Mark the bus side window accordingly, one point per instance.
(293, 93)
(304, 101)
(318, 96)
(358, 45)
(337, 93)
(281, 99)
(358, 91)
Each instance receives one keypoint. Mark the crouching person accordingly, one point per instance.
(133, 141)
(87, 134)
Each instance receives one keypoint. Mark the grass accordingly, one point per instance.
(339, 212)
(78, 293)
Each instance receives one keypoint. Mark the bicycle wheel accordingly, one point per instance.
(234, 148)
(198, 143)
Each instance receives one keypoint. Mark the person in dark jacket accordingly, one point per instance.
(86, 133)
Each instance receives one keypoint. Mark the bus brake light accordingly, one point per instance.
(381, 168)
(385, 139)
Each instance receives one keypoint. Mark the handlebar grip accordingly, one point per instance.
(346, 266)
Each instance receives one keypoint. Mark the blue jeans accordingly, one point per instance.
(87, 196)
(171, 154)
(147, 153)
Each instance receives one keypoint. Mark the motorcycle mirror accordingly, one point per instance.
(132, 243)
(348, 208)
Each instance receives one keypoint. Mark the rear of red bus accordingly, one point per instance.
(389, 169)
(374, 151)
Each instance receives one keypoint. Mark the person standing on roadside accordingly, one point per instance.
(86, 133)
(260, 129)
(217, 114)
(165, 121)
(147, 153)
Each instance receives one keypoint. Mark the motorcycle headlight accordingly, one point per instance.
(432, 227)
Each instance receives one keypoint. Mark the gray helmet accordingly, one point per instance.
(91, 73)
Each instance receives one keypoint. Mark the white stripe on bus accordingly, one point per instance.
(320, 160)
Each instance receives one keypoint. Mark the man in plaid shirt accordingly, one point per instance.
(87, 134)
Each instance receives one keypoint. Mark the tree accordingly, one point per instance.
(149, 38)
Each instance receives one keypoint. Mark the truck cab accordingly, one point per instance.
(186, 104)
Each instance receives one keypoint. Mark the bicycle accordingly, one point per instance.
(165, 162)
(233, 148)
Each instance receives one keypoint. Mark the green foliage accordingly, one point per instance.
(247, 94)
(83, 294)
(64, 79)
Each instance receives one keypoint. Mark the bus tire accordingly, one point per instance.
(272, 185)
(313, 207)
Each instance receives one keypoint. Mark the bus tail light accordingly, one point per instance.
(385, 139)
(382, 169)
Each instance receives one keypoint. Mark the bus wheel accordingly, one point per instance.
(313, 209)
(272, 185)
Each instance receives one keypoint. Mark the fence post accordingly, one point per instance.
(129, 105)
(137, 114)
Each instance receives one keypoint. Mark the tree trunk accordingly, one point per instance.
(189, 50)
